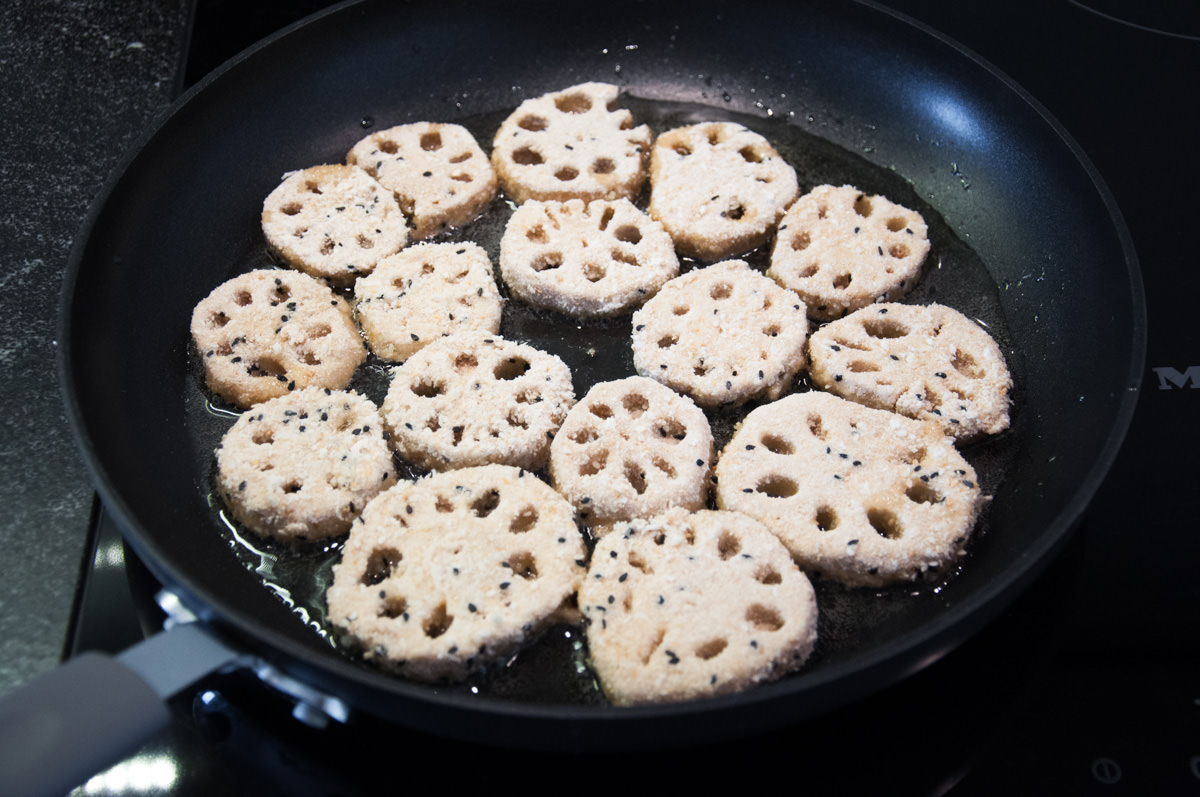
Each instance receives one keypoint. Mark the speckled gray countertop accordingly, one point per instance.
(80, 83)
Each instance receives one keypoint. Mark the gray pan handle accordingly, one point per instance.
(67, 725)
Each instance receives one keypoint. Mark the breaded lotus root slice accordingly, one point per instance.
(301, 467)
(689, 605)
(475, 398)
(841, 250)
(334, 222)
(862, 496)
(927, 362)
(455, 570)
(718, 188)
(585, 260)
(723, 334)
(269, 332)
(632, 448)
(577, 143)
(426, 292)
(438, 172)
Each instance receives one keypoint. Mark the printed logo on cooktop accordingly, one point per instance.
(1170, 378)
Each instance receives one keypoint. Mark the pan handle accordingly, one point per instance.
(70, 723)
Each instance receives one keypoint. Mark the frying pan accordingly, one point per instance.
(850, 85)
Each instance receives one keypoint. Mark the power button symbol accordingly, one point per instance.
(1106, 771)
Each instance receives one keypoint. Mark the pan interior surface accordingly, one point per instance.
(1027, 237)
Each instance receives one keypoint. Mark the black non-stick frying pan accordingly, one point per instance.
(1026, 238)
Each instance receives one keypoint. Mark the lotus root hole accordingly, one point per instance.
(292, 208)
(438, 622)
(965, 364)
(886, 523)
(428, 389)
(666, 467)
(635, 404)
(722, 290)
(801, 241)
(671, 429)
(380, 565)
(862, 367)
(431, 141)
(603, 166)
(667, 341)
(750, 155)
(443, 504)
(827, 519)
(862, 205)
(524, 565)
(511, 368)
(327, 246)
(638, 562)
(655, 641)
(547, 261)
(766, 574)
(242, 298)
(896, 224)
(898, 251)
(594, 464)
(465, 362)
(585, 435)
(537, 234)
(764, 618)
(573, 103)
(816, 427)
(622, 257)
(680, 309)
(532, 123)
(728, 545)
(593, 272)
(567, 174)
(267, 366)
(393, 606)
(842, 281)
(736, 213)
(486, 503)
(601, 411)
(524, 521)
(922, 493)
(628, 233)
(884, 328)
(312, 187)
(389, 146)
(636, 478)
(218, 320)
(526, 156)
(776, 444)
(777, 487)
(682, 150)
(263, 437)
(711, 649)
